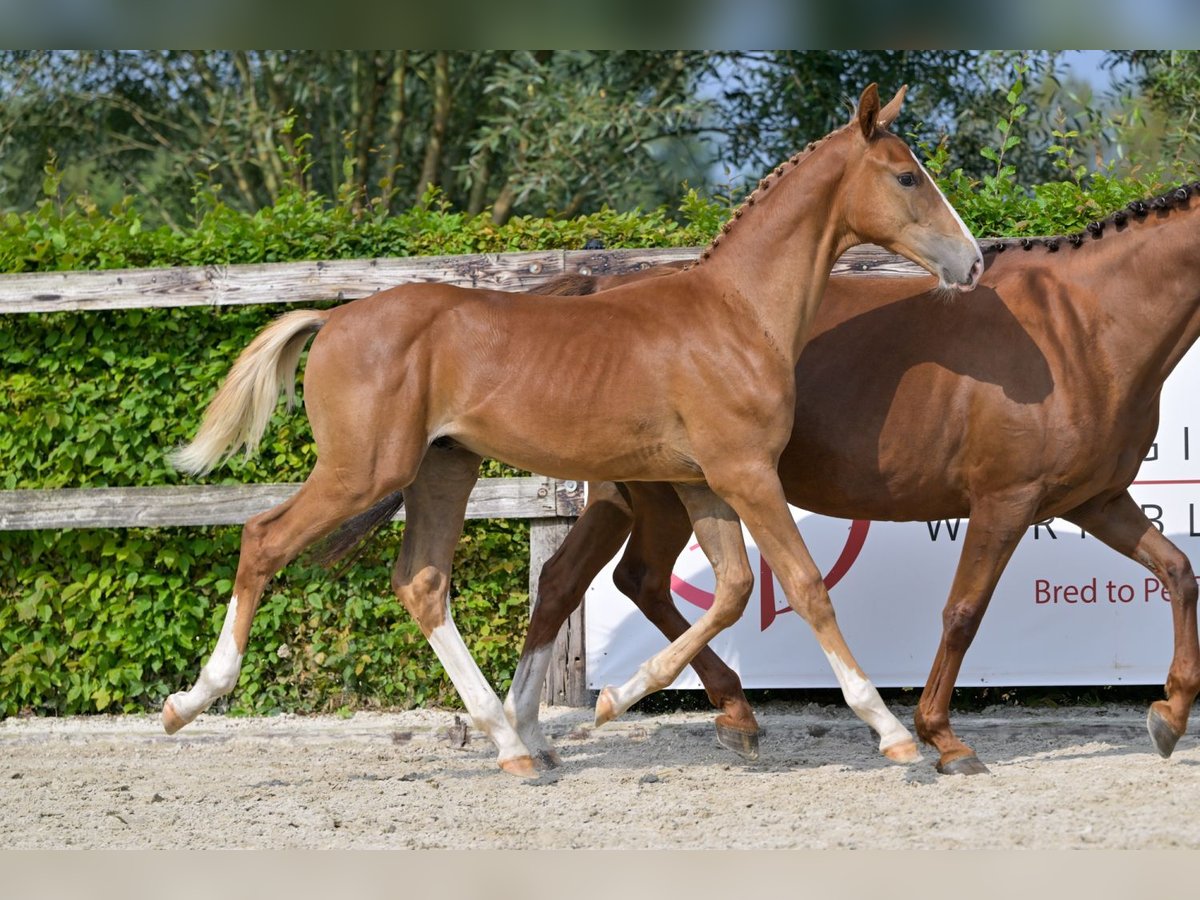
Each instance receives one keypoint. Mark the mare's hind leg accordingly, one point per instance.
(720, 535)
(436, 503)
(1121, 524)
(757, 495)
(995, 528)
(269, 542)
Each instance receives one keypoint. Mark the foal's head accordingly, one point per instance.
(890, 199)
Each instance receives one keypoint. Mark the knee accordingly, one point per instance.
(811, 600)
(740, 584)
(733, 591)
(629, 577)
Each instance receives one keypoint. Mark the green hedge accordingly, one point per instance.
(104, 620)
(107, 620)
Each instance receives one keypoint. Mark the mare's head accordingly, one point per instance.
(890, 199)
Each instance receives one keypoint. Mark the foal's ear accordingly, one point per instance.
(868, 110)
(889, 113)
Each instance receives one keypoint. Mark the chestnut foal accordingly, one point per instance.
(687, 379)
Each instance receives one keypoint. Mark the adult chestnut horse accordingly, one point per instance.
(687, 380)
(1039, 398)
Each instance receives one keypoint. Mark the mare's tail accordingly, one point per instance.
(238, 414)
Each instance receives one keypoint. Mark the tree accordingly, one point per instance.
(561, 129)
(774, 103)
(535, 132)
(1168, 81)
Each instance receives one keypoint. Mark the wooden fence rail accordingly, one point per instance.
(233, 504)
(311, 282)
(548, 504)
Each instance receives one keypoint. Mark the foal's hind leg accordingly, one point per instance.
(436, 503)
(720, 535)
(592, 541)
(269, 542)
(660, 532)
(1122, 524)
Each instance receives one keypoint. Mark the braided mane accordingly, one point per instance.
(764, 185)
(1175, 198)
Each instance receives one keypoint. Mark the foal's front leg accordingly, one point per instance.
(436, 503)
(757, 495)
(660, 531)
(720, 535)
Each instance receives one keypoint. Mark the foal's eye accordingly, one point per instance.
(908, 179)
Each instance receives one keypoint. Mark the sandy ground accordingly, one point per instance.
(1061, 778)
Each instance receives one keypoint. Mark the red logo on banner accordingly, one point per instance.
(766, 581)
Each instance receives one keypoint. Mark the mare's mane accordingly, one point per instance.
(1175, 198)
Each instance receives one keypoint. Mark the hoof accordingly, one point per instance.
(905, 752)
(743, 743)
(1164, 736)
(547, 759)
(606, 707)
(521, 766)
(171, 720)
(964, 765)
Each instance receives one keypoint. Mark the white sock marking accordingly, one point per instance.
(219, 674)
(482, 704)
(862, 697)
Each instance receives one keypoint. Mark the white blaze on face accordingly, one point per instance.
(219, 674)
(862, 697)
(966, 232)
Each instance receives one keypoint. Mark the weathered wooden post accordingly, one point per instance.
(566, 679)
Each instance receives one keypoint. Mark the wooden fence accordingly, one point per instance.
(549, 504)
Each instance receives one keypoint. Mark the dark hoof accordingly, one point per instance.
(547, 759)
(743, 743)
(1161, 733)
(964, 765)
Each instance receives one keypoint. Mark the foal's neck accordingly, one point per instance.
(776, 254)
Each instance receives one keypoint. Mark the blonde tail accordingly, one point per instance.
(238, 414)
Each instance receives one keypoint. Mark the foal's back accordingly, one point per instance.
(594, 387)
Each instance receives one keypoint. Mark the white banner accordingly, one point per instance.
(1067, 611)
